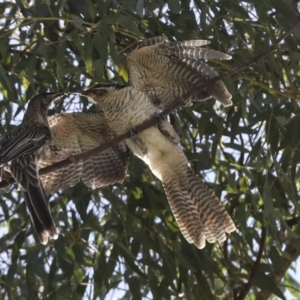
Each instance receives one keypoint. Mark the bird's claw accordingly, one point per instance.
(133, 132)
(68, 156)
(71, 157)
(159, 117)
(134, 137)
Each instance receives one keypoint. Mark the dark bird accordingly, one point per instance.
(74, 133)
(19, 151)
(199, 214)
(165, 70)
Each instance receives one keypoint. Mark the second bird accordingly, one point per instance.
(73, 133)
(199, 214)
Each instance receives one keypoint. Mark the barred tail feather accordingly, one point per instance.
(152, 41)
(186, 215)
(192, 50)
(191, 43)
(213, 215)
(204, 72)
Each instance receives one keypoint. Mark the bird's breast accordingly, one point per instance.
(127, 108)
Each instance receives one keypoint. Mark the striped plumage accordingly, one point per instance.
(166, 70)
(19, 151)
(74, 133)
(199, 214)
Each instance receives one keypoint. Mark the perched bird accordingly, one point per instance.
(74, 133)
(19, 151)
(199, 214)
(166, 70)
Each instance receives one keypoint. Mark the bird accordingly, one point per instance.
(19, 151)
(73, 133)
(199, 214)
(166, 71)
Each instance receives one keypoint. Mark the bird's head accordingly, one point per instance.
(38, 106)
(100, 91)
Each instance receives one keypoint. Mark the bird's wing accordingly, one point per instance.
(152, 41)
(64, 142)
(169, 70)
(22, 141)
(190, 49)
(107, 167)
(25, 172)
(76, 133)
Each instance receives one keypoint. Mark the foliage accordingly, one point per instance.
(123, 240)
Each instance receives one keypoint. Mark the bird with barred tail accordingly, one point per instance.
(167, 70)
(199, 214)
(19, 151)
(73, 133)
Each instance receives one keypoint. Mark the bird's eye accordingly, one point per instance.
(46, 101)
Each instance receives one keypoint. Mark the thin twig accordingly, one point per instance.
(247, 286)
(290, 255)
(293, 221)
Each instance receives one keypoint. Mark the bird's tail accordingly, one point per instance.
(39, 228)
(212, 213)
(186, 215)
(25, 172)
(199, 214)
(40, 213)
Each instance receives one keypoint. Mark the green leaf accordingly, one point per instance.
(134, 286)
(174, 6)
(90, 9)
(129, 24)
(74, 36)
(265, 282)
(4, 80)
(77, 22)
(139, 7)
(269, 211)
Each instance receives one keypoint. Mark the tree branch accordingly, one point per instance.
(290, 254)
(247, 286)
(176, 103)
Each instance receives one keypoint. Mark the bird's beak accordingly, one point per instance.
(51, 97)
(85, 92)
(56, 95)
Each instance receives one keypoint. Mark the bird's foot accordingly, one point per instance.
(68, 156)
(71, 157)
(139, 143)
(133, 132)
(168, 131)
(159, 117)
